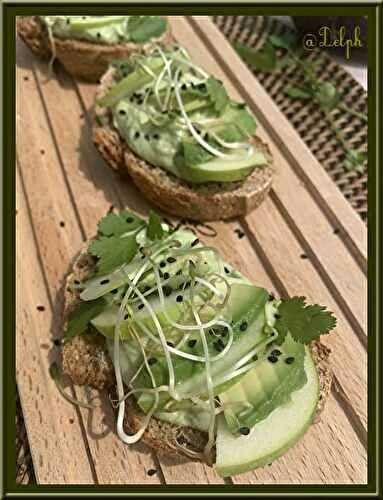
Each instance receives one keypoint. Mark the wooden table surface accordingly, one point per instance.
(64, 188)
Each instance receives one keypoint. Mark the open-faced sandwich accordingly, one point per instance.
(198, 360)
(86, 45)
(188, 147)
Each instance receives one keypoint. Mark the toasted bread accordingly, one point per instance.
(210, 201)
(82, 59)
(87, 362)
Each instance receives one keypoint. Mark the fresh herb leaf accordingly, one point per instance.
(113, 251)
(305, 323)
(355, 160)
(327, 95)
(155, 230)
(287, 41)
(143, 28)
(298, 93)
(217, 94)
(118, 224)
(79, 319)
(264, 59)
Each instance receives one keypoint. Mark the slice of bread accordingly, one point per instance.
(87, 362)
(205, 202)
(83, 59)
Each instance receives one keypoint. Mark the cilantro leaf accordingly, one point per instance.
(154, 230)
(217, 94)
(143, 28)
(118, 224)
(113, 252)
(264, 59)
(305, 323)
(287, 41)
(79, 318)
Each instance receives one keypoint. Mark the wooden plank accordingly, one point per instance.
(343, 274)
(50, 203)
(321, 186)
(49, 417)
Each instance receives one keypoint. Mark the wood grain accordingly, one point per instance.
(64, 189)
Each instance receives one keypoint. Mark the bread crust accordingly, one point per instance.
(161, 436)
(207, 202)
(82, 59)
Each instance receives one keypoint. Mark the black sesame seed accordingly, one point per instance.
(171, 260)
(179, 298)
(304, 256)
(151, 472)
(273, 359)
(170, 344)
(166, 276)
(104, 282)
(40, 308)
(227, 270)
(137, 135)
(114, 291)
(76, 282)
(243, 326)
(147, 137)
(277, 316)
(336, 230)
(184, 86)
(152, 361)
(122, 112)
(271, 297)
(129, 220)
(126, 316)
(98, 35)
(255, 357)
(192, 343)
(194, 243)
(219, 345)
(244, 431)
(162, 263)
(275, 352)
(57, 342)
(290, 360)
(140, 306)
(62, 223)
(156, 137)
(239, 233)
(167, 290)
(179, 272)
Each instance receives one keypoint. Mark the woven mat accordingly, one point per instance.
(312, 127)
(306, 116)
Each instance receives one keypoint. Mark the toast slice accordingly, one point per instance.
(87, 362)
(82, 59)
(208, 202)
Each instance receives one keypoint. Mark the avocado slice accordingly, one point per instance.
(273, 436)
(268, 386)
(222, 170)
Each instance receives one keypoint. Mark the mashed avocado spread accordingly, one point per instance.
(174, 115)
(106, 30)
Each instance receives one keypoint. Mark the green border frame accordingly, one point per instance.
(374, 11)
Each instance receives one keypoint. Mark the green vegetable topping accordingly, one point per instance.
(217, 94)
(144, 28)
(304, 322)
(154, 231)
(113, 252)
(80, 318)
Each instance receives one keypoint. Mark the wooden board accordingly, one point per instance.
(63, 188)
